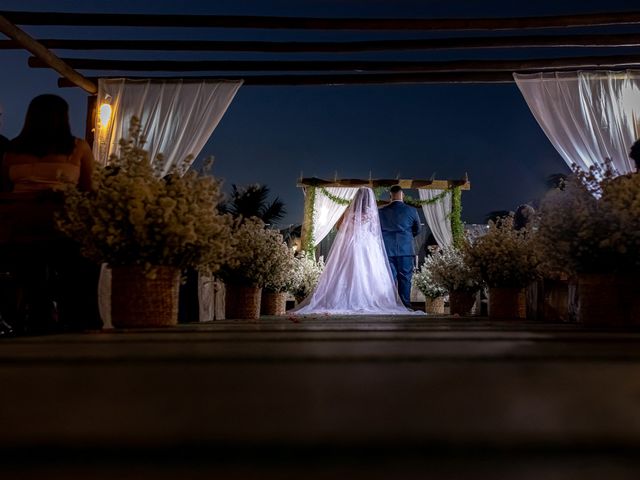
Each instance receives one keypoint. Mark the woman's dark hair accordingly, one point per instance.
(46, 128)
(634, 154)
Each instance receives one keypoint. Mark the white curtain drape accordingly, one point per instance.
(587, 116)
(177, 118)
(438, 215)
(326, 212)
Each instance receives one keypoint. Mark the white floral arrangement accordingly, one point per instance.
(424, 280)
(305, 275)
(279, 278)
(450, 269)
(592, 224)
(504, 256)
(132, 216)
(258, 251)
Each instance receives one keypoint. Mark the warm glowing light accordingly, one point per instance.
(105, 115)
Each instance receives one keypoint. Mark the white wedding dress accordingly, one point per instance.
(357, 278)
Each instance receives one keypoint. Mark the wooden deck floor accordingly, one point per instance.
(339, 397)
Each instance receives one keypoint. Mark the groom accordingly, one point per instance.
(400, 223)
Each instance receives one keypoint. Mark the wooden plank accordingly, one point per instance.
(344, 79)
(512, 41)
(46, 56)
(308, 23)
(464, 184)
(539, 64)
(339, 79)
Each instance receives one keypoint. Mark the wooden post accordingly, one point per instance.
(89, 131)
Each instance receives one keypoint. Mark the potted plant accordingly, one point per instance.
(433, 292)
(257, 255)
(506, 260)
(278, 280)
(450, 269)
(147, 229)
(590, 230)
(306, 274)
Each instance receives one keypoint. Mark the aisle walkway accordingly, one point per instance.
(324, 398)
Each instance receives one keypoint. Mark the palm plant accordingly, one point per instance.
(252, 201)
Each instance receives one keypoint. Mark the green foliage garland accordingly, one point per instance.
(334, 198)
(429, 201)
(457, 228)
(378, 192)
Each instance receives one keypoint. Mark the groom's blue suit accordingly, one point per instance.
(400, 223)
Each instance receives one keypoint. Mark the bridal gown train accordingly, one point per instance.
(357, 277)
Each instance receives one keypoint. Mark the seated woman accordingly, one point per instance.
(46, 156)
(43, 158)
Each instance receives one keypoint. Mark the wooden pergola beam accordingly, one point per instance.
(307, 23)
(339, 79)
(538, 64)
(46, 56)
(553, 41)
(464, 184)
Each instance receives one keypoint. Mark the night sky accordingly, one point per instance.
(270, 134)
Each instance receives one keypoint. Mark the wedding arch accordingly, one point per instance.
(326, 200)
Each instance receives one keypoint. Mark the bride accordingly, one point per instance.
(357, 277)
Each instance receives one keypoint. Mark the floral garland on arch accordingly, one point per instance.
(378, 192)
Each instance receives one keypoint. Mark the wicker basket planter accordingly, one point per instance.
(434, 306)
(273, 303)
(242, 302)
(138, 301)
(604, 299)
(507, 302)
(462, 302)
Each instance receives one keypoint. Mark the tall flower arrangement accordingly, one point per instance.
(259, 251)
(280, 277)
(134, 217)
(504, 257)
(424, 280)
(449, 268)
(592, 224)
(305, 275)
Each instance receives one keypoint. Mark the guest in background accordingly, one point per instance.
(45, 155)
(5, 328)
(634, 154)
(42, 159)
(524, 217)
(4, 141)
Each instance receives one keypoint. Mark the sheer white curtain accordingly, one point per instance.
(326, 212)
(587, 116)
(438, 215)
(177, 118)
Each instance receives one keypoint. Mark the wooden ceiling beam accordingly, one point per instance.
(540, 64)
(307, 23)
(338, 79)
(551, 41)
(46, 56)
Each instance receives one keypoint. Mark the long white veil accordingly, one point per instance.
(357, 277)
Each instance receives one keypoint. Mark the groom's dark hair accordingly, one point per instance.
(395, 189)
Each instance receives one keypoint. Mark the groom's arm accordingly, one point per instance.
(415, 226)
